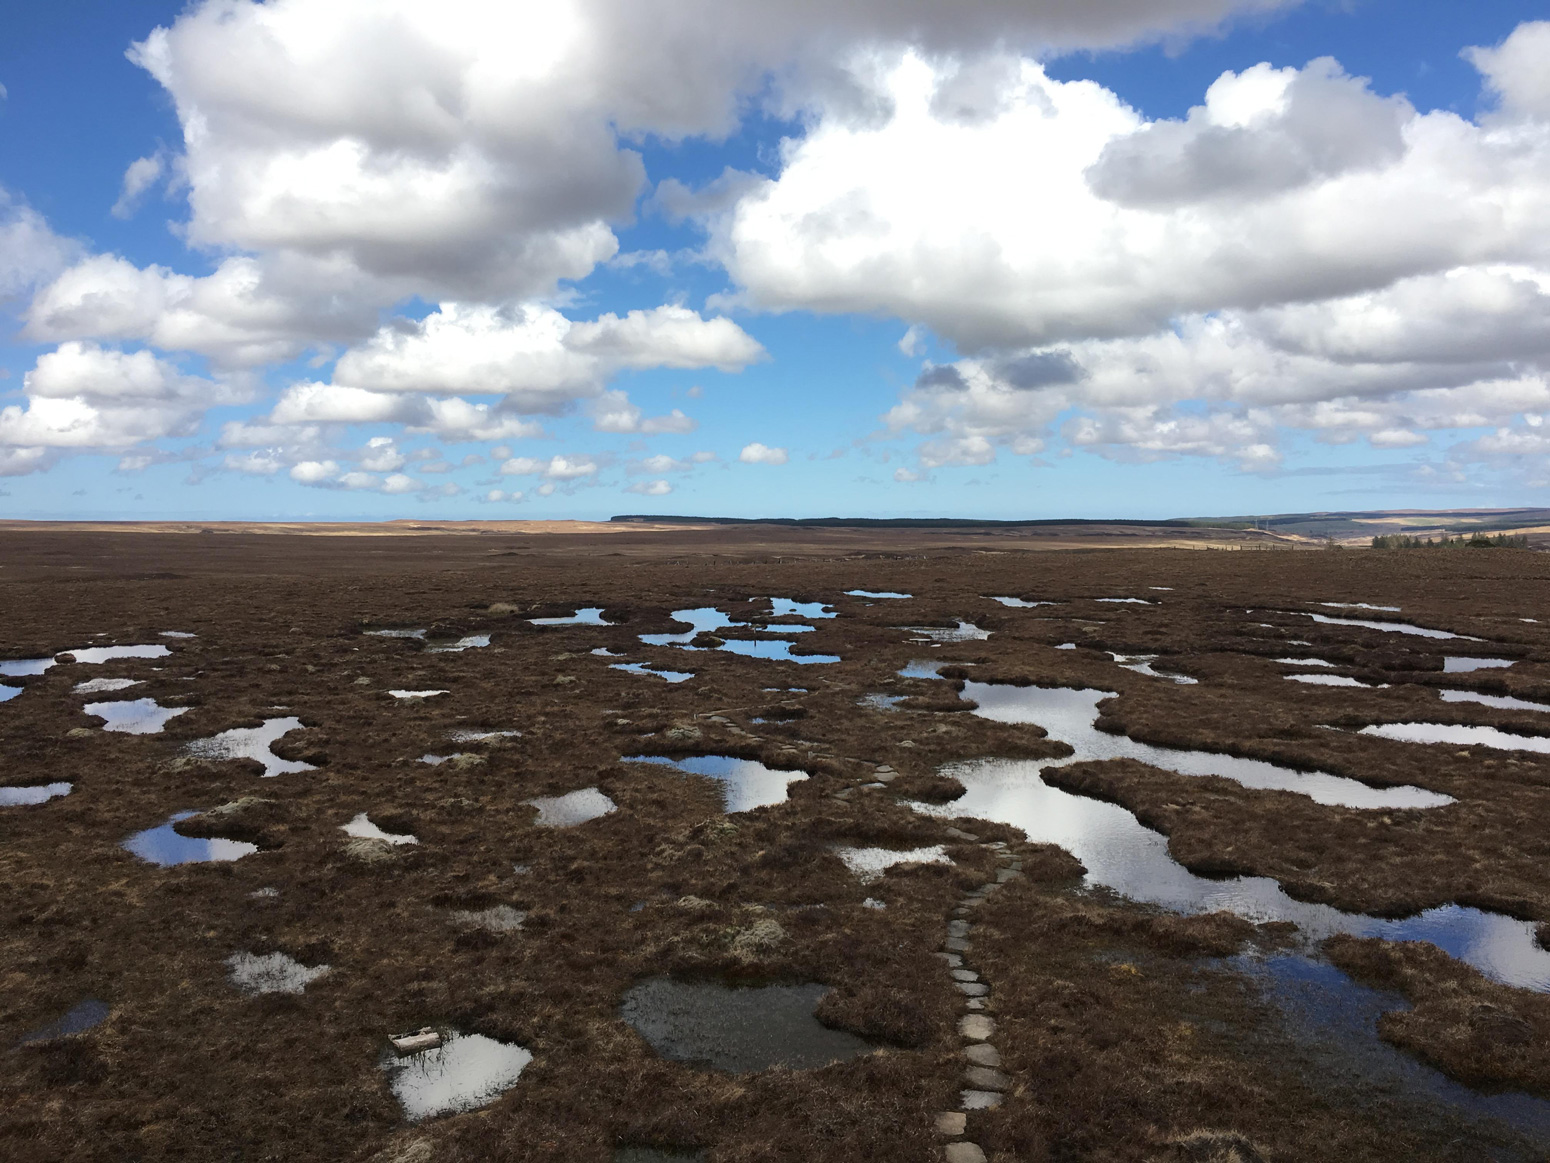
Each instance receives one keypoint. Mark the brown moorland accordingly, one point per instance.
(1127, 1033)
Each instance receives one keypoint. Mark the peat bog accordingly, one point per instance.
(880, 843)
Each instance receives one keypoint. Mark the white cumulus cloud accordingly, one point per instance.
(757, 453)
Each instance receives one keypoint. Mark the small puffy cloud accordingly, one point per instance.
(253, 463)
(556, 468)
(138, 178)
(757, 453)
(657, 488)
(613, 412)
(399, 483)
(314, 472)
(382, 455)
(501, 496)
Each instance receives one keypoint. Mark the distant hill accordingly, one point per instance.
(1345, 526)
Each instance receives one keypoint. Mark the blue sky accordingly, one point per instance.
(331, 259)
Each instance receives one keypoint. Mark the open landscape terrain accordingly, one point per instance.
(761, 843)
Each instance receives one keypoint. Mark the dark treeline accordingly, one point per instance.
(1477, 541)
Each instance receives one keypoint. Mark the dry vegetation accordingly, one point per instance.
(1127, 1036)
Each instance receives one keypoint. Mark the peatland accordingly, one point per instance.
(1127, 1032)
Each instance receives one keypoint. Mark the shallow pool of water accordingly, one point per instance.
(869, 864)
(1502, 702)
(1303, 662)
(641, 668)
(1128, 601)
(881, 702)
(963, 632)
(745, 783)
(465, 1072)
(787, 608)
(1458, 735)
(23, 797)
(1359, 606)
(1392, 627)
(1334, 680)
(7, 693)
(924, 668)
(1069, 716)
(775, 652)
(134, 716)
(24, 667)
(1333, 1018)
(362, 828)
(81, 1017)
(1018, 603)
(1142, 664)
(397, 633)
(253, 743)
(1122, 854)
(467, 642)
(417, 694)
(573, 808)
(164, 846)
(736, 1030)
(591, 616)
(875, 594)
(703, 619)
(94, 655)
(1465, 665)
(255, 973)
(102, 686)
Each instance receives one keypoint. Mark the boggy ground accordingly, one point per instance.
(1125, 1034)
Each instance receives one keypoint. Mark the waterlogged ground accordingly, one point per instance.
(497, 822)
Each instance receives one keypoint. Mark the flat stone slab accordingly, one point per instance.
(964, 1153)
(973, 988)
(976, 1027)
(974, 1003)
(965, 974)
(982, 1054)
(985, 1078)
(951, 1123)
(957, 928)
(978, 1100)
(956, 945)
(1007, 874)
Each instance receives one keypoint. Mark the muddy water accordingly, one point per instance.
(1331, 1019)
(1069, 715)
(465, 1072)
(253, 743)
(745, 783)
(134, 716)
(82, 1017)
(165, 846)
(737, 1030)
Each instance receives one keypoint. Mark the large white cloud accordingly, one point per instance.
(86, 398)
(1060, 213)
(533, 355)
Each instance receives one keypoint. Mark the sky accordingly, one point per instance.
(499, 259)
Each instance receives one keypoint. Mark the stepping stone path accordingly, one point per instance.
(984, 1083)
